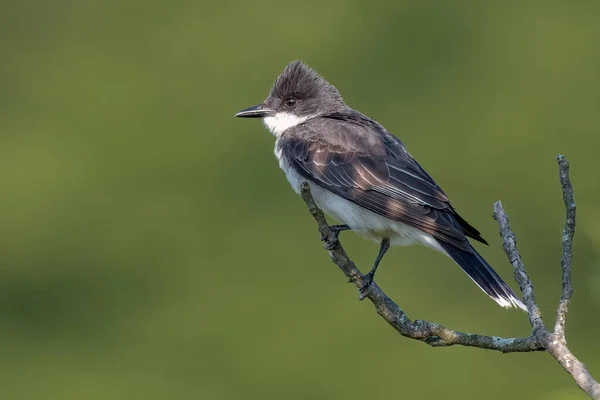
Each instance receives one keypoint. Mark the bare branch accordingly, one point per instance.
(554, 342)
(557, 345)
(567, 246)
(510, 248)
(559, 350)
(437, 335)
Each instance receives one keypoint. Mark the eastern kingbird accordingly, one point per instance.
(362, 175)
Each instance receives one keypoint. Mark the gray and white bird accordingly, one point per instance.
(363, 176)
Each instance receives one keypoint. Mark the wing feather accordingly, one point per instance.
(363, 163)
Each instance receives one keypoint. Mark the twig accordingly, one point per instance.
(567, 246)
(557, 346)
(437, 335)
(510, 248)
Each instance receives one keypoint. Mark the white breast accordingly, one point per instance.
(361, 220)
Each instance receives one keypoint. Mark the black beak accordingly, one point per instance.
(259, 111)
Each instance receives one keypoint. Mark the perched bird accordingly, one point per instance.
(362, 175)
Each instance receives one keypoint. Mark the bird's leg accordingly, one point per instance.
(338, 228)
(383, 248)
(335, 229)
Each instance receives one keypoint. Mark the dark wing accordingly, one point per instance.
(358, 160)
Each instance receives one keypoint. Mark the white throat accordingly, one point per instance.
(282, 121)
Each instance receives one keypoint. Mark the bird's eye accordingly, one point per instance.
(290, 102)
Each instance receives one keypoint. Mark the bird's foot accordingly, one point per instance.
(330, 242)
(366, 288)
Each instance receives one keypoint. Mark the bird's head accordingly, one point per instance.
(298, 94)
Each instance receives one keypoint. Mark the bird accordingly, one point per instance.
(363, 176)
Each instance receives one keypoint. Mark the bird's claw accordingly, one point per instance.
(332, 240)
(327, 242)
(323, 237)
(330, 245)
(366, 288)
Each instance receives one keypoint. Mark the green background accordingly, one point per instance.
(152, 249)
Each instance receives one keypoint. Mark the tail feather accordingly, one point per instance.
(484, 276)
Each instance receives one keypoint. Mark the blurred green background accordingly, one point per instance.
(152, 249)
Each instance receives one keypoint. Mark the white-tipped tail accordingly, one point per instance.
(484, 276)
